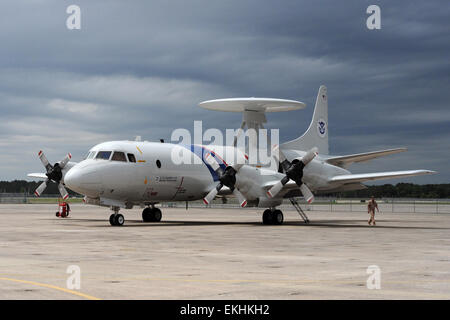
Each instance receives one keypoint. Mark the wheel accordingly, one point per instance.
(119, 220)
(267, 216)
(146, 215)
(151, 215)
(57, 214)
(157, 215)
(111, 220)
(277, 217)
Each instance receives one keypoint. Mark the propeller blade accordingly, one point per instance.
(63, 191)
(276, 188)
(307, 194)
(44, 160)
(278, 154)
(309, 156)
(212, 194)
(240, 197)
(41, 188)
(64, 161)
(211, 161)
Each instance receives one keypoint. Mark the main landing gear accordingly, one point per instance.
(273, 216)
(116, 219)
(151, 214)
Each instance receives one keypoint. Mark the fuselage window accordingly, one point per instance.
(131, 157)
(103, 155)
(119, 156)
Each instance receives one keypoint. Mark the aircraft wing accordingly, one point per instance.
(37, 175)
(343, 161)
(360, 177)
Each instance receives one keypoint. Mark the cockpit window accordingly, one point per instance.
(119, 156)
(103, 155)
(91, 155)
(131, 157)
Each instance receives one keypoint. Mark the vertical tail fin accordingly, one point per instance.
(317, 133)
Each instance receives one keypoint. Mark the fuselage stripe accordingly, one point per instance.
(201, 151)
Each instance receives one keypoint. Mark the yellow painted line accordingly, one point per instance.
(139, 149)
(52, 287)
(141, 160)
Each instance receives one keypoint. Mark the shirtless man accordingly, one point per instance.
(371, 210)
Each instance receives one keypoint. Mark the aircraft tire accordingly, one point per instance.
(151, 215)
(267, 216)
(277, 217)
(119, 220)
(147, 215)
(111, 220)
(156, 215)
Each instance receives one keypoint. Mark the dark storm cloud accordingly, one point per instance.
(140, 68)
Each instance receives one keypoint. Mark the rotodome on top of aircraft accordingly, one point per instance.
(122, 174)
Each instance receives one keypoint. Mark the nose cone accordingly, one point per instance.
(72, 179)
(83, 180)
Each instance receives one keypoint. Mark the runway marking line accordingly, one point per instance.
(52, 287)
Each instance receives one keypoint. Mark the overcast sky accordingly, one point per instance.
(142, 67)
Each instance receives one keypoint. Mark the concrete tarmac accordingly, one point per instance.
(221, 254)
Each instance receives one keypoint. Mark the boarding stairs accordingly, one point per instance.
(299, 210)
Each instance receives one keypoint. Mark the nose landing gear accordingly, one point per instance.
(116, 219)
(151, 214)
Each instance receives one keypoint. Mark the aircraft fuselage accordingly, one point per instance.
(150, 175)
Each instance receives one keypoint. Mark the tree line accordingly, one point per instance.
(400, 190)
(22, 186)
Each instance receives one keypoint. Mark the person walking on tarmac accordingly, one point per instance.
(371, 210)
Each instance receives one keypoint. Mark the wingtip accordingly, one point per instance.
(425, 171)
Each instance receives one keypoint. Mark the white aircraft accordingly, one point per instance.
(122, 174)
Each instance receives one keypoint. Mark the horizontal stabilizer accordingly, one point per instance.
(344, 161)
(360, 177)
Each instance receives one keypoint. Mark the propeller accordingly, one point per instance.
(54, 173)
(293, 171)
(227, 178)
